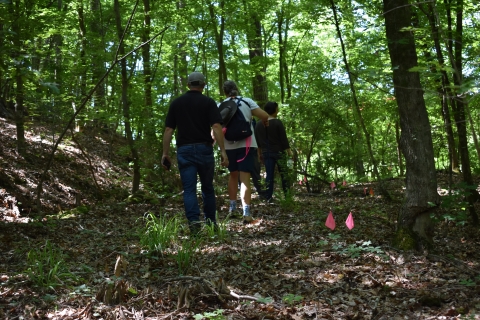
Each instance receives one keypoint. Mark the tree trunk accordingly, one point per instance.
(19, 90)
(97, 48)
(360, 122)
(126, 102)
(458, 103)
(259, 80)
(445, 89)
(415, 229)
(222, 68)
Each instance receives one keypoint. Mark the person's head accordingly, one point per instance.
(196, 81)
(230, 88)
(271, 107)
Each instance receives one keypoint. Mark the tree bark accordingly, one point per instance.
(459, 105)
(445, 89)
(219, 33)
(19, 89)
(257, 61)
(415, 229)
(126, 102)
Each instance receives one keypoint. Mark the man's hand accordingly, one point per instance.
(166, 162)
(224, 156)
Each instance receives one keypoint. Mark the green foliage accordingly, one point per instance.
(292, 299)
(186, 254)
(455, 204)
(219, 231)
(159, 232)
(47, 269)
(214, 315)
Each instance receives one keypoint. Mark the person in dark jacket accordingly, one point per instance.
(273, 149)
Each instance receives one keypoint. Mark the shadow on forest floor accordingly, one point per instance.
(285, 265)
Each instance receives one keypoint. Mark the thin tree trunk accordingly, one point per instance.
(97, 46)
(219, 34)
(399, 151)
(126, 102)
(445, 88)
(361, 122)
(458, 103)
(415, 228)
(19, 90)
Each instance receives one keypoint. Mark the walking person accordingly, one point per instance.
(194, 116)
(240, 157)
(274, 149)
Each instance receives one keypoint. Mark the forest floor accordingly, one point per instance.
(82, 257)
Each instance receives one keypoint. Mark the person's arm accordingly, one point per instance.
(218, 133)
(259, 155)
(261, 114)
(167, 139)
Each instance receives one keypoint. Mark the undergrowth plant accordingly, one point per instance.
(159, 232)
(186, 254)
(218, 231)
(46, 267)
(292, 299)
(214, 315)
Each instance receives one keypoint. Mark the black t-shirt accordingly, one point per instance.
(193, 115)
(275, 132)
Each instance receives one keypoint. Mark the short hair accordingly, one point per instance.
(230, 88)
(270, 107)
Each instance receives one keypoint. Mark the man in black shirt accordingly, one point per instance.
(195, 116)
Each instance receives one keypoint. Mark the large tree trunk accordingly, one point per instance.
(414, 224)
(126, 102)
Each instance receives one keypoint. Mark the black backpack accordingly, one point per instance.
(238, 128)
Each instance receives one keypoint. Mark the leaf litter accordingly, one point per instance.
(286, 265)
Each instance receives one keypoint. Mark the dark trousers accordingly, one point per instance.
(279, 159)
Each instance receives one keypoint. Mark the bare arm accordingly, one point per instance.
(262, 115)
(218, 133)
(167, 139)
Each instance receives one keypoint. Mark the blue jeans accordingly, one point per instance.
(198, 159)
(272, 159)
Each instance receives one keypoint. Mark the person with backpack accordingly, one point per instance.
(194, 115)
(274, 149)
(239, 138)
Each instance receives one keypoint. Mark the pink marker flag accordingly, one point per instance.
(330, 223)
(349, 222)
(344, 183)
(332, 185)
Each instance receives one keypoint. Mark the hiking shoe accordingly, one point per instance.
(195, 229)
(247, 219)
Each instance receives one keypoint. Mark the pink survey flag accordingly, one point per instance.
(349, 221)
(344, 183)
(330, 223)
(332, 185)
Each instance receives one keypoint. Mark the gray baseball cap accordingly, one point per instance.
(196, 76)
